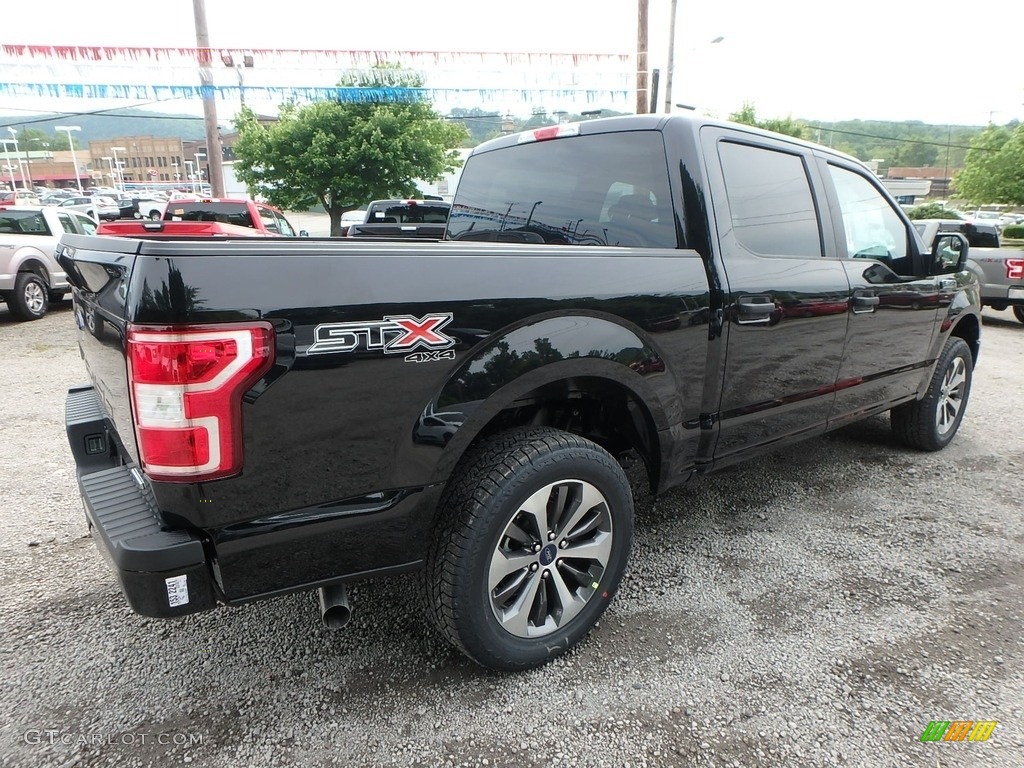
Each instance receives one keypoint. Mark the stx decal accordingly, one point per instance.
(392, 335)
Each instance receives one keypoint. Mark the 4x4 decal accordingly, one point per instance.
(392, 335)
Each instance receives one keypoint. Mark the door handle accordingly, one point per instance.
(754, 309)
(947, 284)
(864, 302)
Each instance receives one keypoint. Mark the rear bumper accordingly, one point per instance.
(163, 572)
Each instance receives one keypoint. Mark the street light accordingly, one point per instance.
(26, 177)
(199, 170)
(191, 176)
(110, 167)
(671, 56)
(71, 143)
(117, 165)
(7, 157)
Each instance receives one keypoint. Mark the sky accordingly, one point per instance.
(869, 60)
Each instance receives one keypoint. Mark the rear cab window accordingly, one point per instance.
(407, 212)
(604, 189)
(199, 210)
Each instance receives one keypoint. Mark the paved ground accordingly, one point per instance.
(317, 224)
(817, 607)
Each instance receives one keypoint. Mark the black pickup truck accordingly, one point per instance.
(403, 219)
(686, 291)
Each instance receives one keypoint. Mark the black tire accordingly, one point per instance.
(489, 556)
(931, 423)
(1018, 312)
(155, 215)
(29, 300)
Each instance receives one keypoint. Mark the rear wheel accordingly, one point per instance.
(533, 539)
(931, 423)
(29, 299)
(155, 215)
(1018, 312)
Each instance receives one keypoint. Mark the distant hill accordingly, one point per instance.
(114, 123)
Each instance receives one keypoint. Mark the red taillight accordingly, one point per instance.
(1015, 269)
(186, 387)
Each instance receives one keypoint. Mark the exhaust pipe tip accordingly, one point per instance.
(334, 607)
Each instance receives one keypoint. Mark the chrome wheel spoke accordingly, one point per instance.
(537, 508)
(597, 549)
(516, 618)
(508, 590)
(570, 604)
(586, 499)
(956, 376)
(504, 564)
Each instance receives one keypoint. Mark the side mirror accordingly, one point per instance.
(303, 233)
(949, 253)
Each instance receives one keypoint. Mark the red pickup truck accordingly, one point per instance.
(209, 217)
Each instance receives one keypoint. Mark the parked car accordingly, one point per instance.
(150, 207)
(19, 197)
(100, 208)
(348, 218)
(403, 218)
(991, 217)
(56, 196)
(30, 277)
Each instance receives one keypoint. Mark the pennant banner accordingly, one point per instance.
(238, 55)
(309, 93)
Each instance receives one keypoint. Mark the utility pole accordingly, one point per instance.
(642, 101)
(214, 154)
(671, 57)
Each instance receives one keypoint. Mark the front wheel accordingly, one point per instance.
(30, 298)
(155, 215)
(930, 423)
(1018, 312)
(532, 542)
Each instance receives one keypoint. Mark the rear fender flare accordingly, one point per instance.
(523, 359)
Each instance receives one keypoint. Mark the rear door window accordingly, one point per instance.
(23, 222)
(605, 189)
(770, 201)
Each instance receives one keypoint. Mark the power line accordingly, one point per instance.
(942, 144)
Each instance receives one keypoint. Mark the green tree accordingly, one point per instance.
(931, 211)
(915, 153)
(345, 154)
(747, 115)
(993, 171)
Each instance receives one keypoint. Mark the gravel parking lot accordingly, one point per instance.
(816, 607)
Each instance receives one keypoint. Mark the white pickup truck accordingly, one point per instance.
(30, 278)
